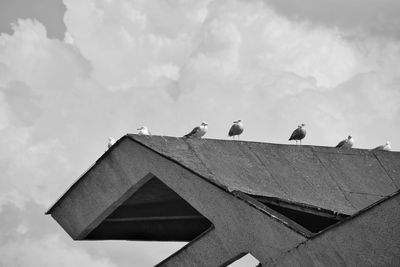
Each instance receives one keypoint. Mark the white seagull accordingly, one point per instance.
(198, 131)
(143, 131)
(111, 142)
(346, 143)
(236, 129)
(386, 147)
(299, 133)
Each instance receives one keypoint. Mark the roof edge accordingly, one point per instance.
(359, 213)
(289, 223)
(48, 211)
(132, 137)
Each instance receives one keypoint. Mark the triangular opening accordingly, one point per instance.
(153, 213)
(243, 260)
(314, 219)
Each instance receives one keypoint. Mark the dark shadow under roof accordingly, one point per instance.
(345, 181)
(153, 212)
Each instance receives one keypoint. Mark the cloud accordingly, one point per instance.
(24, 105)
(47, 252)
(28, 239)
(366, 107)
(50, 13)
(52, 64)
(371, 17)
(132, 44)
(170, 65)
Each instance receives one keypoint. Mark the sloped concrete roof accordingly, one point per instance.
(344, 181)
(167, 188)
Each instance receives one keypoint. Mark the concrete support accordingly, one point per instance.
(204, 175)
(208, 250)
(371, 238)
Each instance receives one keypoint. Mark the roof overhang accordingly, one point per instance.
(120, 197)
(225, 196)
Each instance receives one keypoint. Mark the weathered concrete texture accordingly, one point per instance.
(237, 227)
(369, 239)
(340, 180)
(211, 176)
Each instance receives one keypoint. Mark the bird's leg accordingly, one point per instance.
(300, 141)
(238, 137)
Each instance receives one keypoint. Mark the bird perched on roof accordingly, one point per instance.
(111, 142)
(198, 131)
(346, 143)
(236, 129)
(143, 131)
(386, 147)
(299, 133)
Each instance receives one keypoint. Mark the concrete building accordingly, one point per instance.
(286, 205)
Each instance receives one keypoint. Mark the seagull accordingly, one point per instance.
(346, 143)
(386, 147)
(143, 131)
(299, 133)
(111, 142)
(236, 129)
(198, 131)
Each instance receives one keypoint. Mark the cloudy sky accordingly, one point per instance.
(74, 72)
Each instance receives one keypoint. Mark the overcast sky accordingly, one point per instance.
(73, 73)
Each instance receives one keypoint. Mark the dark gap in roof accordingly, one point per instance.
(153, 213)
(313, 219)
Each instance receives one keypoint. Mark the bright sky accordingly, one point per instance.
(74, 73)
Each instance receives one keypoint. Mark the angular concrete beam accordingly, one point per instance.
(238, 226)
(370, 238)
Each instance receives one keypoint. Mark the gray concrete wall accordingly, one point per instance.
(370, 239)
(238, 227)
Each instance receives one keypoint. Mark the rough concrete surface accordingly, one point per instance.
(344, 181)
(209, 175)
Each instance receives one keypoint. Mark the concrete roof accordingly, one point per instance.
(287, 202)
(344, 181)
